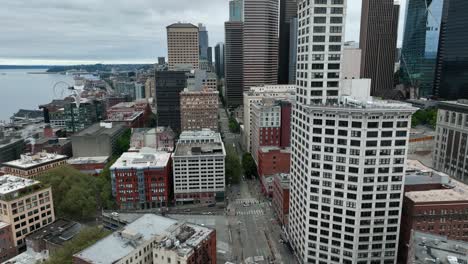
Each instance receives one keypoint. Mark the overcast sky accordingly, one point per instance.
(111, 31)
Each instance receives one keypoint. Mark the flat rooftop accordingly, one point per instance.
(199, 149)
(97, 130)
(58, 232)
(429, 248)
(455, 192)
(29, 161)
(351, 104)
(183, 238)
(283, 179)
(10, 184)
(154, 159)
(203, 135)
(88, 160)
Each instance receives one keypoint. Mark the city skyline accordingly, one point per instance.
(88, 36)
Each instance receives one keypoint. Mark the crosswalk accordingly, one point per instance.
(247, 201)
(251, 212)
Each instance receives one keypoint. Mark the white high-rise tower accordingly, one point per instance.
(348, 152)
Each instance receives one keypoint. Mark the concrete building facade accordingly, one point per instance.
(183, 46)
(198, 166)
(348, 153)
(26, 205)
(351, 62)
(451, 141)
(98, 140)
(30, 166)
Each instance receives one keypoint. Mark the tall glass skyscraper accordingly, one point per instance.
(451, 78)
(421, 44)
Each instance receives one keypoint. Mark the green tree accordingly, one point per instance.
(233, 166)
(87, 237)
(78, 195)
(248, 164)
(234, 127)
(123, 142)
(427, 117)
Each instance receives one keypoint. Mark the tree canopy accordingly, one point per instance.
(78, 195)
(248, 164)
(123, 142)
(427, 117)
(233, 165)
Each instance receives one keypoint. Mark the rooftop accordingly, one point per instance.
(199, 136)
(148, 227)
(99, 129)
(283, 179)
(57, 233)
(182, 25)
(199, 149)
(456, 191)
(350, 104)
(88, 160)
(29, 161)
(273, 148)
(429, 248)
(460, 105)
(142, 160)
(10, 184)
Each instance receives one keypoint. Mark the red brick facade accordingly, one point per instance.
(448, 218)
(206, 252)
(273, 161)
(7, 246)
(280, 200)
(157, 187)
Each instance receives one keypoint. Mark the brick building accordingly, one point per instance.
(273, 160)
(7, 246)
(30, 166)
(435, 204)
(199, 109)
(153, 239)
(131, 114)
(271, 125)
(280, 201)
(142, 180)
(89, 165)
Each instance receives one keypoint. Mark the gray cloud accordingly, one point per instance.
(105, 31)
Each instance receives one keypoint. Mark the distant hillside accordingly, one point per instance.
(100, 67)
(15, 67)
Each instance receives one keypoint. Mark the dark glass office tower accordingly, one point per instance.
(169, 84)
(288, 11)
(233, 68)
(219, 60)
(451, 81)
(421, 43)
(378, 41)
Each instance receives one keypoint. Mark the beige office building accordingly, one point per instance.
(199, 109)
(26, 205)
(182, 46)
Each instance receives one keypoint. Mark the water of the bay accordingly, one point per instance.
(21, 90)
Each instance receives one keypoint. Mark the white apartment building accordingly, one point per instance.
(255, 95)
(348, 155)
(198, 167)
